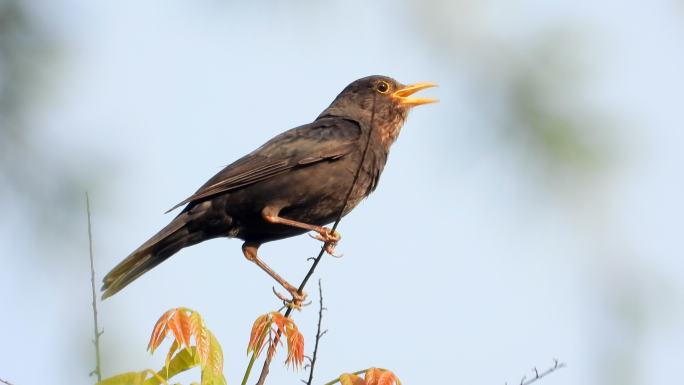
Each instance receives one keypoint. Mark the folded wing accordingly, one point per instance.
(325, 139)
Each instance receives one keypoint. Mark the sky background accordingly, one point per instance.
(534, 213)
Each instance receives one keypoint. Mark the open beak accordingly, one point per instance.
(402, 94)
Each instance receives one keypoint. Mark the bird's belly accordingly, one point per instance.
(313, 195)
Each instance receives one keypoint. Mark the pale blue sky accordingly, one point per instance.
(459, 266)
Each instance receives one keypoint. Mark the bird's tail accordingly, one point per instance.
(156, 250)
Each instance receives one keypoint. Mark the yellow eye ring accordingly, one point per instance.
(382, 87)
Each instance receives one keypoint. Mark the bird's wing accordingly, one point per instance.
(323, 140)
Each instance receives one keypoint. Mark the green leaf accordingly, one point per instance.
(212, 372)
(185, 359)
(130, 378)
(172, 350)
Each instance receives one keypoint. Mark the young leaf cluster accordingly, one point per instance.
(193, 345)
(371, 376)
(264, 331)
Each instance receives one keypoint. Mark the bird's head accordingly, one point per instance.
(380, 97)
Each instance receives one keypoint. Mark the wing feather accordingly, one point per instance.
(325, 139)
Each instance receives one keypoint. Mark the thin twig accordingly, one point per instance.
(300, 290)
(318, 333)
(5, 382)
(98, 333)
(538, 376)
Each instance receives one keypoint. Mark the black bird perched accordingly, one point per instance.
(294, 183)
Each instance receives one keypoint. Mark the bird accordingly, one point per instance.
(295, 183)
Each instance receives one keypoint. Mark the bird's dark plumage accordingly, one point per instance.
(300, 177)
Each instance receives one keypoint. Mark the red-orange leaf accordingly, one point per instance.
(375, 376)
(260, 331)
(388, 378)
(264, 331)
(159, 331)
(179, 326)
(184, 325)
(372, 376)
(280, 321)
(295, 346)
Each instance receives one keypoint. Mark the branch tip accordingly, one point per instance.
(537, 375)
(96, 329)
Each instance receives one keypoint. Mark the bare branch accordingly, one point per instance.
(97, 371)
(271, 350)
(538, 376)
(319, 334)
(5, 382)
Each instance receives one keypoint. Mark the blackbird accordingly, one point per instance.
(295, 183)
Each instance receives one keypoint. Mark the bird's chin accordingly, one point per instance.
(401, 111)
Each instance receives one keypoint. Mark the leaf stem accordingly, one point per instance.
(249, 368)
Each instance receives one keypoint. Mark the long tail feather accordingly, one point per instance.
(156, 250)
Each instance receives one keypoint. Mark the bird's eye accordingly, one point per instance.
(383, 87)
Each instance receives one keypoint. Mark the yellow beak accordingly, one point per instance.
(402, 94)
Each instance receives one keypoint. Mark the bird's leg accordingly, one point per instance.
(325, 235)
(249, 249)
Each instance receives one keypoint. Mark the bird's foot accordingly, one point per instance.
(297, 300)
(330, 238)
